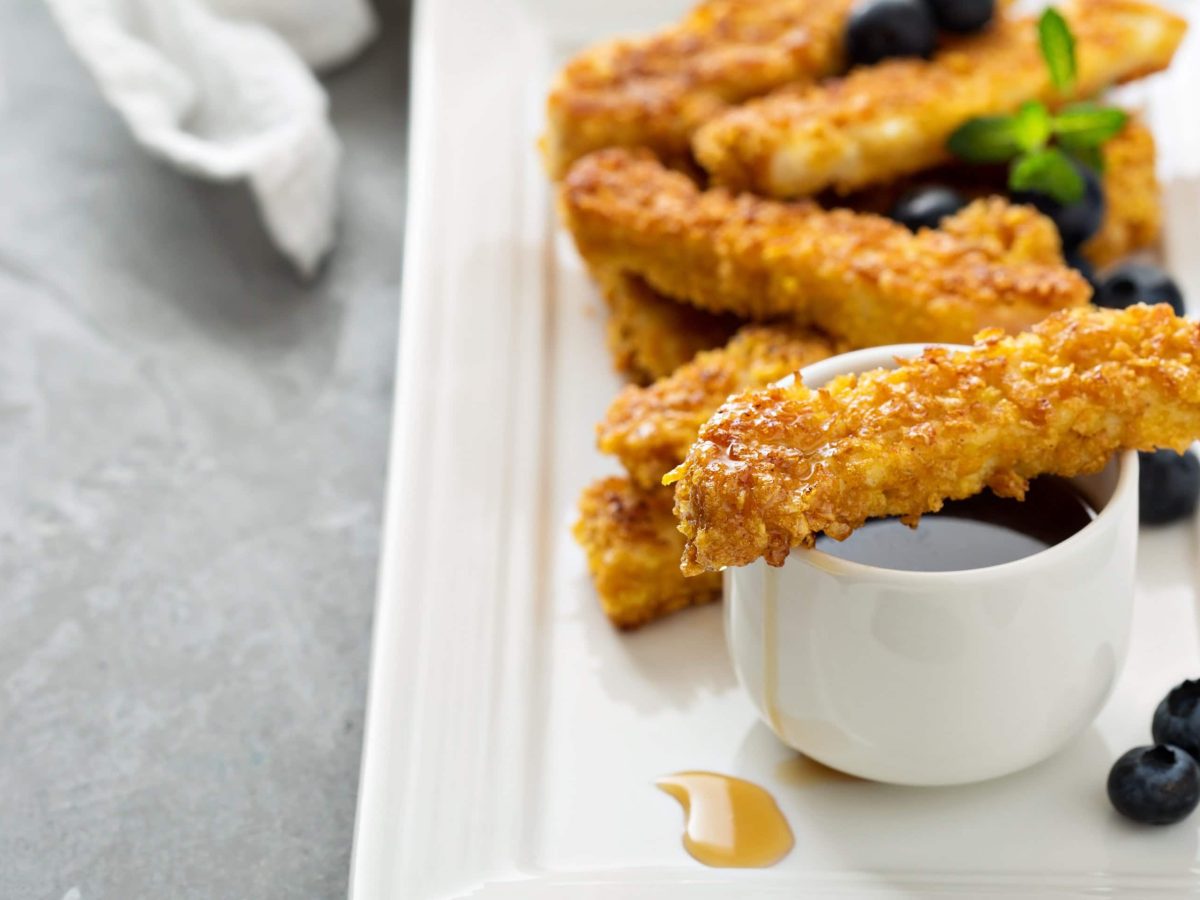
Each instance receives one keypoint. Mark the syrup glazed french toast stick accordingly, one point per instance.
(655, 91)
(632, 543)
(861, 278)
(891, 119)
(776, 467)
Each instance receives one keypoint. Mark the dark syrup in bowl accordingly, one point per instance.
(981, 531)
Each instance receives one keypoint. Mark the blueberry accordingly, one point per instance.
(877, 29)
(1168, 486)
(962, 16)
(925, 207)
(1076, 221)
(1080, 264)
(1138, 283)
(1156, 785)
(1177, 719)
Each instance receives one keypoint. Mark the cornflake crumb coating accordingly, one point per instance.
(649, 335)
(632, 544)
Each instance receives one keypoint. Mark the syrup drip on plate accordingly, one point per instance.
(730, 822)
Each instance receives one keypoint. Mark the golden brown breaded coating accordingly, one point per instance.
(633, 544)
(1132, 198)
(776, 467)
(1006, 233)
(649, 335)
(861, 278)
(654, 91)
(887, 120)
(649, 429)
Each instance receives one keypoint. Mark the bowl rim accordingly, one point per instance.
(1125, 492)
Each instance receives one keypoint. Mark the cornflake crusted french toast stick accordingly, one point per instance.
(649, 335)
(650, 429)
(632, 544)
(861, 278)
(884, 121)
(776, 467)
(654, 91)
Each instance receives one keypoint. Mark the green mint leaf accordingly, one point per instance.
(1087, 154)
(1048, 172)
(986, 139)
(1087, 124)
(1031, 126)
(1058, 48)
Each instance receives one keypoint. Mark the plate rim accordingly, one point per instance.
(469, 431)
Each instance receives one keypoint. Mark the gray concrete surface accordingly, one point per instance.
(192, 447)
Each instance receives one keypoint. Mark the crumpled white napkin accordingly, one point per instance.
(221, 89)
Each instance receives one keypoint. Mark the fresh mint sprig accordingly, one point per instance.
(1058, 48)
(1087, 124)
(1049, 167)
(1037, 144)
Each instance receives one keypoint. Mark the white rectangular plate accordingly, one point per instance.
(513, 737)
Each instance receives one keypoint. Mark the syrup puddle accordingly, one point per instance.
(730, 822)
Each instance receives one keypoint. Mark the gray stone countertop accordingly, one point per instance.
(193, 446)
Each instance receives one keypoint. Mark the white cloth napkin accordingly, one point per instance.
(222, 89)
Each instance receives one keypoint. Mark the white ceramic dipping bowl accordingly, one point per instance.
(930, 678)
